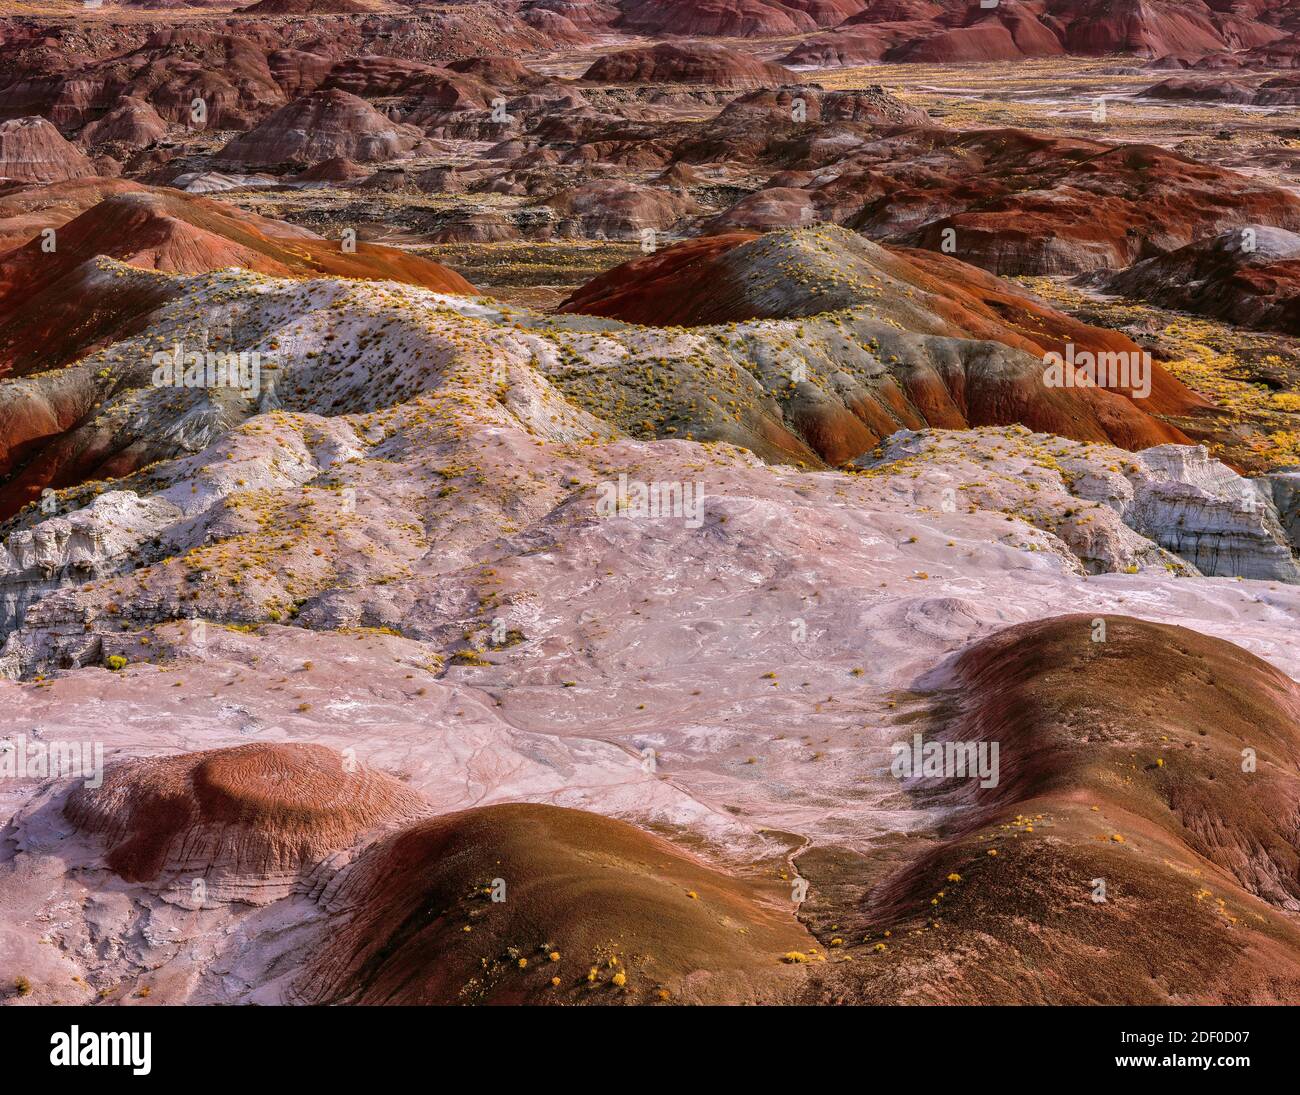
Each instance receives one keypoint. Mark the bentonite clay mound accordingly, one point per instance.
(1201, 88)
(322, 126)
(337, 169)
(688, 63)
(32, 150)
(1146, 757)
(631, 918)
(247, 819)
(130, 126)
(1050, 690)
(735, 276)
(767, 105)
(739, 276)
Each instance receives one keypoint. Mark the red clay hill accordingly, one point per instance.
(1249, 276)
(247, 819)
(45, 318)
(925, 32)
(1121, 760)
(825, 271)
(725, 278)
(596, 911)
(32, 150)
(324, 125)
(688, 63)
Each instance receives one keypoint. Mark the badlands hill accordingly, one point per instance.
(594, 911)
(691, 63)
(736, 277)
(322, 126)
(395, 597)
(47, 312)
(816, 391)
(247, 820)
(1250, 276)
(32, 150)
(921, 31)
(1104, 814)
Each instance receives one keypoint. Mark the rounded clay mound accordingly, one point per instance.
(631, 918)
(739, 276)
(253, 816)
(703, 63)
(33, 150)
(324, 125)
(1071, 711)
(1121, 764)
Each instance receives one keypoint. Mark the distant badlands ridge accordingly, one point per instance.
(1013, 202)
(848, 31)
(1010, 201)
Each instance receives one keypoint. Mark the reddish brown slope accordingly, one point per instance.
(56, 307)
(44, 319)
(1121, 761)
(688, 63)
(596, 911)
(663, 289)
(729, 278)
(990, 307)
(254, 812)
(1140, 738)
(27, 210)
(1012, 201)
(1050, 205)
(685, 285)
